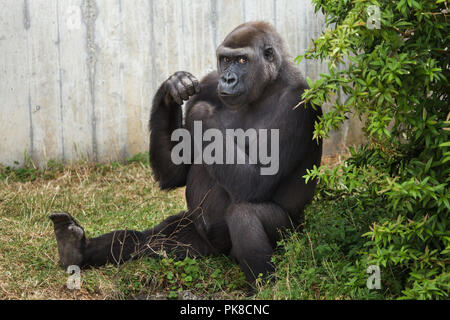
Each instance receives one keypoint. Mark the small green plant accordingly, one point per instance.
(28, 171)
(139, 158)
(188, 274)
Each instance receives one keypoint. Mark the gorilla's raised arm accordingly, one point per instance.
(167, 116)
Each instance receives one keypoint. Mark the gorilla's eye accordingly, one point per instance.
(268, 53)
(226, 59)
(243, 60)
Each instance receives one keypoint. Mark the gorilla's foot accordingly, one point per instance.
(70, 238)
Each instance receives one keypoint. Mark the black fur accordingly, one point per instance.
(232, 209)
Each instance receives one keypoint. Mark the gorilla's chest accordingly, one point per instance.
(248, 130)
(251, 118)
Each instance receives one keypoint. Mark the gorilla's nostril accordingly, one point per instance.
(230, 78)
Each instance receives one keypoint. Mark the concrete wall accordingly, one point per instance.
(77, 76)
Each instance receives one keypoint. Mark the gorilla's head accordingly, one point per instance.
(248, 60)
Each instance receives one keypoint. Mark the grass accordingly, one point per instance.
(311, 265)
(102, 198)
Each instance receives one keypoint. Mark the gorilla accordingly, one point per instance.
(233, 209)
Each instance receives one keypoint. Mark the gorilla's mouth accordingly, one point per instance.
(229, 95)
(232, 100)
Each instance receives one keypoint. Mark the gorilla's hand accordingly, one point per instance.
(180, 86)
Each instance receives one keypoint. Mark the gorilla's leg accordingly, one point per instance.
(254, 231)
(177, 235)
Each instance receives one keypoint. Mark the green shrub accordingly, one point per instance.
(395, 78)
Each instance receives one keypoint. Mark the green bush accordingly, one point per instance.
(394, 78)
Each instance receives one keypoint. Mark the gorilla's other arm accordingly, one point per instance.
(167, 116)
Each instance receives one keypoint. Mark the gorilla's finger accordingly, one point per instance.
(182, 91)
(174, 93)
(181, 74)
(195, 83)
(188, 84)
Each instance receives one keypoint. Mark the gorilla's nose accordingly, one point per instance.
(227, 84)
(229, 78)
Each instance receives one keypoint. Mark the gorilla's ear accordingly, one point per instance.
(269, 54)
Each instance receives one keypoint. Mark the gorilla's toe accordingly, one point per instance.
(70, 239)
(60, 217)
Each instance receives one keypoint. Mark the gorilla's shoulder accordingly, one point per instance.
(295, 78)
(210, 80)
(291, 98)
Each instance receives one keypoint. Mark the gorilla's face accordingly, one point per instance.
(234, 67)
(246, 63)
